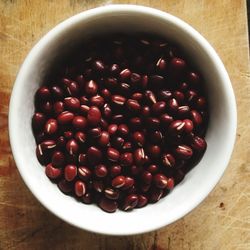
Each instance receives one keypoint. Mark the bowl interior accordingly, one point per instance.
(198, 182)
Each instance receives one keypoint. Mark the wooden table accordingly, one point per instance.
(222, 221)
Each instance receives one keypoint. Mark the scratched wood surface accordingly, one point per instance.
(222, 221)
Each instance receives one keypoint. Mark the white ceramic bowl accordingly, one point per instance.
(220, 136)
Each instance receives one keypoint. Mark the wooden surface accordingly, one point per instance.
(222, 221)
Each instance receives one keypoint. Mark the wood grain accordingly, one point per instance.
(222, 221)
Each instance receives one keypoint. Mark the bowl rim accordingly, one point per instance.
(108, 9)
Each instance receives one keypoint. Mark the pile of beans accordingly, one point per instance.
(122, 122)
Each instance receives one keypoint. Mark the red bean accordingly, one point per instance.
(84, 173)
(118, 100)
(65, 117)
(199, 143)
(159, 108)
(115, 170)
(126, 159)
(70, 172)
(139, 138)
(196, 117)
(52, 172)
(111, 193)
(113, 154)
(80, 137)
(38, 121)
(71, 103)
(94, 116)
(65, 186)
(94, 155)
(43, 93)
(80, 188)
(101, 170)
(139, 156)
(142, 201)
(51, 126)
(58, 107)
(160, 181)
(58, 159)
(146, 177)
(91, 88)
(130, 202)
(72, 147)
(176, 127)
(118, 181)
(184, 151)
(188, 128)
(168, 160)
(108, 205)
(104, 138)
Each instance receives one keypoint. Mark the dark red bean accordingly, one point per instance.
(199, 143)
(126, 159)
(125, 74)
(170, 184)
(95, 132)
(179, 96)
(184, 151)
(178, 64)
(105, 93)
(72, 147)
(157, 81)
(135, 123)
(101, 170)
(188, 128)
(113, 154)
(52, 172)
(91, 88)
(183, 111)
(84, 173)
(70, 172)
(139, 156)
(111, 193)
(115, 170)
(104, 139)
(97, 100)
(135, 78)
(200, 103)
(84, 109)
(150, 97)
(47, 145)
(118, 100)
(159, 108)
(146, 177)
(114, 69)
(138, 138)
(142, 201)
(47, 107)
(196, 117)
(38, 121)
(73, 88)
(183, 86)
(160, 181)
(161, 64)
(80, 188)
(173, 105)
(133, 105)
(71, 103)
(193, 78)
(153, 168)
(137, 96)
(108, 205)
(58, 107)
(127, 146)
(118, 181)
(153, 123)
(165, 95)
(65, 117)
(80, 137)
(118, 119)
(129, 183)
(136, 170)
(155, 195)
(107, 111)
(112, 128)
(154, 151)
(82, 159)
(68, 134)
(145, 111)
(94, 155)
(168, 160)
(191, 96)
(98, 186)
(123, 129)
(43, 93)
(61, 142)
(98, 66)
(156, 137)
(84, 100)
(130, 202)
(57, 92)
(176, 127)
(166, 119)
(51, 126)
(87, 198)
(94, 116)
(58, 159)
(65, 186)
